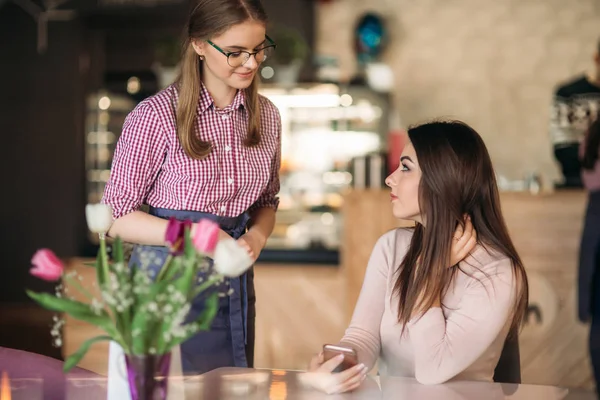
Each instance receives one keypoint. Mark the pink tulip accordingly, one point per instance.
(206, 236)
(46, 265)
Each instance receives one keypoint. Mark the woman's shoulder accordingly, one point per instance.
(395, 242)
(268, 108)
(159, 104)
(162, 101)
(270, 120)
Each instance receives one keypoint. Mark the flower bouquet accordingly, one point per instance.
(144, 314)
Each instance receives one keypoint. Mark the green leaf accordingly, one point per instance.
(76, 357)
(59, 304)
(77, 310)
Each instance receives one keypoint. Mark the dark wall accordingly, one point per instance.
(41, 105)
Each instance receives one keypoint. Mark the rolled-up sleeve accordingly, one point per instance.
(268, 198)
(137, 160)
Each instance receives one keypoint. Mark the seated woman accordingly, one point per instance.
(420, 317)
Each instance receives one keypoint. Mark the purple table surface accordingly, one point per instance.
(255, 384)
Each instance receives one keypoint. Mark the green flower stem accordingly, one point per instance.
(120, 319)
(165, 268)
(103, 256)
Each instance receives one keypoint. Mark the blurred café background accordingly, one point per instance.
(349, 77)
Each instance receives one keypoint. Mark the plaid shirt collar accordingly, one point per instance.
(206, 100)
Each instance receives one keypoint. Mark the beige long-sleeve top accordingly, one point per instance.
(462, 340)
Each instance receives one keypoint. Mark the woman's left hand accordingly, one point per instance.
(253, 243)
(463, 242)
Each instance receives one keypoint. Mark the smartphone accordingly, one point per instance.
(350, 357)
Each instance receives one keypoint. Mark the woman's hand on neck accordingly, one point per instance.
(221, 93)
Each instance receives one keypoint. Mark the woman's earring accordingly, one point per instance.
(201, 58)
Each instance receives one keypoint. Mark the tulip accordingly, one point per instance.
(99, 217)
(231, 259)
(46, 265)
(206, 236)
(174, 236)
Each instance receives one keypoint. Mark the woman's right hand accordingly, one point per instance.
(320, 375)
(463, 242)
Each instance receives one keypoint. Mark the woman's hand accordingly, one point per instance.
(320, 375)
(463, 242)
(253, 243)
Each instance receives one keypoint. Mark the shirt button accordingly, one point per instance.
(225, 116)
(223, 208)
(227, 148)
(230, 181)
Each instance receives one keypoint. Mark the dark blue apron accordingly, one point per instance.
(589, 260)
(589, 280)
(230, 341)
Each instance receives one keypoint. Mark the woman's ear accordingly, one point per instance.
(198, 46)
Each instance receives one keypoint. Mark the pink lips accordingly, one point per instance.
(246, 75)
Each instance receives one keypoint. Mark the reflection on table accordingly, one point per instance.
(255, 384)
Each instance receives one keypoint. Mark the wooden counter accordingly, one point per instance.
(546, 230)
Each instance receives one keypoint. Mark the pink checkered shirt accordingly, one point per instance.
(150, 166)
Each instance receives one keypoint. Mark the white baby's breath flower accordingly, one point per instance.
(99, 217)
(108, 298)
(152, 307)
(96, 306)
(119, 267)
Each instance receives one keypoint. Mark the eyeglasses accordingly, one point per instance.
(238, 58)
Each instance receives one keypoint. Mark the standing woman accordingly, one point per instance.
(208, 146)
(589, 252)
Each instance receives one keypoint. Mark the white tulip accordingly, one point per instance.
(231, 259)
(99, 217)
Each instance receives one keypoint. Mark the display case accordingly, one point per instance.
(324, 127)
(105, 114)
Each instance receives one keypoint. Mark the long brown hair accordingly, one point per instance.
(211, 18)
(457, 178)
(592, 146)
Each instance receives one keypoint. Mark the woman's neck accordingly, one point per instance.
(221, 93)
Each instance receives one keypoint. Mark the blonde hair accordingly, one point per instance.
(210, 18)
